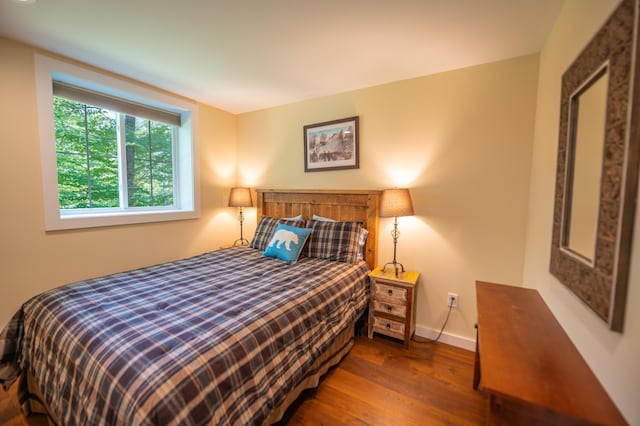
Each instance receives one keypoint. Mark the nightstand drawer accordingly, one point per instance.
(390, 308)
(391, 293)
(389, 327)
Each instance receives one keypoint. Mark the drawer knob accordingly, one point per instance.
(390, 292)
(389, 308)
(388, 325)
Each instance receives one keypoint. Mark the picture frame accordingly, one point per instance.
(332, 145)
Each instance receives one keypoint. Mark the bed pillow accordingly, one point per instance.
(362, 242)
(363, 235)
(266, 227)
(337, 241)
(299, 217)
(287, 242)
(322, 218)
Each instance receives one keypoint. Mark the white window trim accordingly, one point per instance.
(188, 173)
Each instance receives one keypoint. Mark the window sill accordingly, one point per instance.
(94, 220)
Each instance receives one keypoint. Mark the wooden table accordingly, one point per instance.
(529, 367)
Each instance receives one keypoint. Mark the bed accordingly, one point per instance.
(225, 337)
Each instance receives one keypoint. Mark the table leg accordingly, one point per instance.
(476, 364)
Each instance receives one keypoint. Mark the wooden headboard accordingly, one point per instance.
(343, 205)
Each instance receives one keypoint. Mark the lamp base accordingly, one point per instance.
(242, 241)
(395, 266)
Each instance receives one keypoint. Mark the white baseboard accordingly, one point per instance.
(450, 339)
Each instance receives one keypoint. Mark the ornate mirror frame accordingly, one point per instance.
(601, 282)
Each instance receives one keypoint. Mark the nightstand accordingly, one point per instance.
(392, 309)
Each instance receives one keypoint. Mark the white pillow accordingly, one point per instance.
(362, 241)
(322, 219)
(299, 217)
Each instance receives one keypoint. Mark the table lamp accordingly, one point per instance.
(240, 197)
(394, 203)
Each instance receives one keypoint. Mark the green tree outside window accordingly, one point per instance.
(88, 162)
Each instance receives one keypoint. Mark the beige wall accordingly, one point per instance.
(460, 140)
(476, 146)
(32, 261)
(614, 357)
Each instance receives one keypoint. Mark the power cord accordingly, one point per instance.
(423, 340)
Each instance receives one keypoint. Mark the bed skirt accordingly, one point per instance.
(340, 347)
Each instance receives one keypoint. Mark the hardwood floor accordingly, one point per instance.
(381, 383)
(10, 414)
(377, 383)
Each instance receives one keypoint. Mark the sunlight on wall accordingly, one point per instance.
(408, 227)
(225, 170)
(412, 228)
(228, 219)
(404, 168)
(260, 157)
(250, 176)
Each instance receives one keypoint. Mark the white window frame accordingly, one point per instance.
(187, 174)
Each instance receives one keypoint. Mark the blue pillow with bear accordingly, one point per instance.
(287, 242)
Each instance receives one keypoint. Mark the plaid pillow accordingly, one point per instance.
(338, 241)
(267, 227)
(363, 235)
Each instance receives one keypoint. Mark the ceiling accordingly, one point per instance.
(244, 55)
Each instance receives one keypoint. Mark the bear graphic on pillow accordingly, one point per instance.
(284, 237)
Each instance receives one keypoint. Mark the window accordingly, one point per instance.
(112, 152)
(94, 144)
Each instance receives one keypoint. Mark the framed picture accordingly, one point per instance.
(332, 145)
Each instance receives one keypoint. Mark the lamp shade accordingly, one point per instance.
(240, 197)
(396, 202)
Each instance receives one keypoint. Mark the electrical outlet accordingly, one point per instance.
(452, 300)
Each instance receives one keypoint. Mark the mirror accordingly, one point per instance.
(584, 172)
(597, 169)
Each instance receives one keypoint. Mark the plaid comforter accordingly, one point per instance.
(219, 338)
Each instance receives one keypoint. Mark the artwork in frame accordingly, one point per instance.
(332, 145)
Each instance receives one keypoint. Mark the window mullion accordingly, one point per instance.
(150, 156)
(87, 155)
(122, 163)
(174, 159)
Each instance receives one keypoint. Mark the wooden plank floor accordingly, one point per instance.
(378, 383)
(381, 383)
